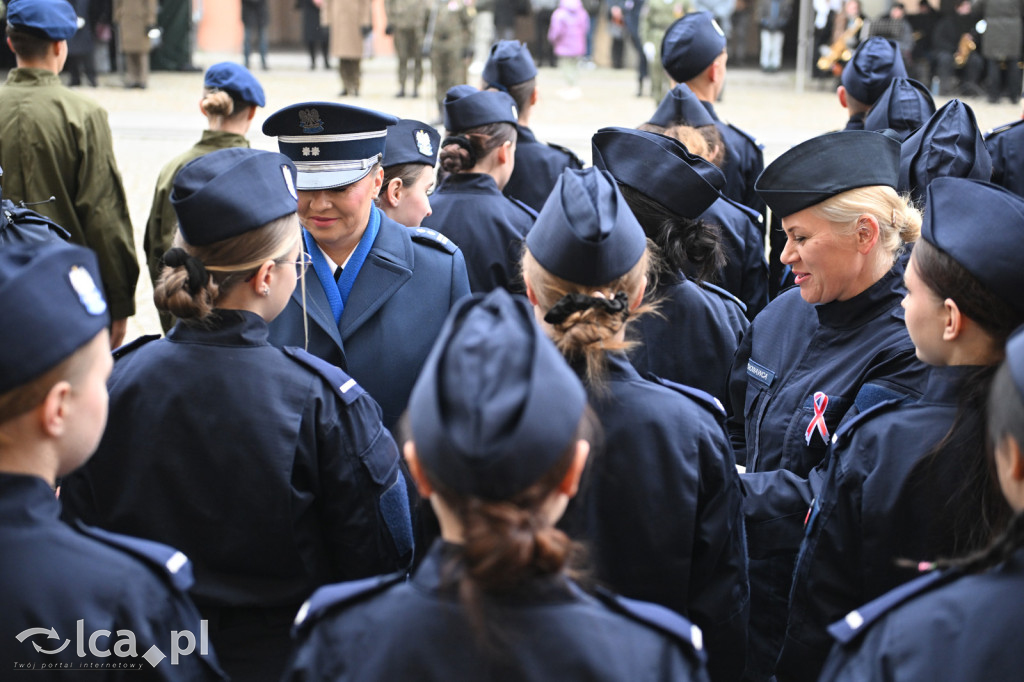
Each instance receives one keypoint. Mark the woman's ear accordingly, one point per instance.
(505, 152)
(570, 484)
(392, 193)
(263, 279)
(955, 320)
(867, 233)
(418, 477)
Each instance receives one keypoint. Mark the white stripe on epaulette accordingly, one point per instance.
(347, 386)
(176, 561)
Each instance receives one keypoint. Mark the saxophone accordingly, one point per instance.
(840, 53)
(964, 49)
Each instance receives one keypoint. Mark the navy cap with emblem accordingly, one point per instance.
(949, 144)
(586, 233)
(873, 66)
(236, 80)
(1015, 359)
(213, 195)
(680, 106)
(955, 209)
(904, 107)
(660, 168)
(50, 306)
(828, 165)
(690, 44)
(50, 19)
(332, 145)
(495, 405)
(465, 108)
(508, 64)
(411, 141)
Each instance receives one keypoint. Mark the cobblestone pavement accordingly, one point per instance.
(152, 126)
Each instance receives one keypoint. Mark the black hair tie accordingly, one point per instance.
(463, 143)
(197, 274)
(575, 302)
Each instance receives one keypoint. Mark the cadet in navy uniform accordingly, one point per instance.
(377, 317)
(903, 108)
(54, 364)
(510, 68)
(835, 345)
(962, 623)
(662, 509)
(693, 52)
(271, 469)
(468, 206)
(869, 72)
(410, 154)
(1004, 144)
(693, 337)
(499, 439)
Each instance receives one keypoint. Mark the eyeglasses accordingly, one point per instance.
(301, 265)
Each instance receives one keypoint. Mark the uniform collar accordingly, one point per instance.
(221, 137)
(945, 384)
(870, 303)
(711, 109)
(525, 135)
(225, 328)
(26, 500)
(25, 75)
(481, 183)
(618, 365)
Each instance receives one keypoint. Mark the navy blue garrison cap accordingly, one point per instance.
(949, 144)
(236, 80)
(873, 66)
(332, 145)
(828, 165)
(411, 141)
(957, 210)
(690, 45)
(51, 19)
(508, 64)
(465, 108)
(496, 405)
(1015, 359)
(585, 232)
(660, 168)
(680, 106)
(50, 306)
(213, 196)
(903, 108)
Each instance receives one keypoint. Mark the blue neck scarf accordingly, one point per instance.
(338, 292)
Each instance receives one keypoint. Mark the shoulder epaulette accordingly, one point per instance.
(424, 235)
(330, 596)
(746, 210)
(525, 207)
(748, 136)
(1003, 128)
(344, 385)
(165, 560)
(138, 343)
(656, 616)
(703, 398)
(575, 162)
(727, 295)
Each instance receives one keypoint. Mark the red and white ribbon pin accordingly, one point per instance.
(818, 421)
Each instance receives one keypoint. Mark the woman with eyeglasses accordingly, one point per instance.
(269, 468)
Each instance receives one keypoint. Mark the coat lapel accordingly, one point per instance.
(317, 307)
(387, 267)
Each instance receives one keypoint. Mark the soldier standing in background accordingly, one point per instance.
(350, 23)
(407, 20)
(449, 42)
(317, 37)
(657, 16)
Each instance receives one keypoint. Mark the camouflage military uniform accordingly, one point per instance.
(658, 15)
(450, 43)
(407, 21)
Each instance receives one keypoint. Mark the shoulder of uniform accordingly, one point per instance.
(424, 235)
(748, 136)
(26, 222)
(745, 210)
(524, 207)
(722, 293)
(329, 597)
(138, 343)
(850, 426)
(574, 161)
(343, 385)
(658, 617)
(1003, 128)
(164, 560)
(702, 398)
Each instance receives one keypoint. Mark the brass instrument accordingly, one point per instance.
(964, 49)
(840, 52)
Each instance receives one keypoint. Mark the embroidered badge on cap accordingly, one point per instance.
(88, 293)
(310, 121)
(288, 182)
(423, 145)
(515, 112)
(718, 28)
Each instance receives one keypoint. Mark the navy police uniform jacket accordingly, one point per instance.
(855, 122)
(408, 283)
(692, 338)
(942, 626)
(745, 274)
(52, 576)
(1006, 145)
(661, 509)
(744, 161)
(537, 168)
(489, 227)
(389, 629)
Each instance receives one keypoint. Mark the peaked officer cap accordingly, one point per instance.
(903, 107)
(213, 195)
(508, 64)
(50, 306)
(332, 145)
(690, 44)
(1015, 359)
(680, 106)
(659, 167)
(873, 66)
(237, 81)
(466, 108)
(496, 405)
(50, 19)
(585, 232)
(957, 210)
(411, 141)
(948, 144)
(828, 165)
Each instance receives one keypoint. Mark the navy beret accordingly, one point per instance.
(660, 168)
(873, 66)
(690, 44)
(332, 145)
(680, 106)
(957, 210)
(828, 165)
(53, 19)
(50, 306)
(213, 195)
(508, 64)
(411, 141)
(1015, 359)
(948, 144)
(495, 405)
(236, 80)
(585, 232)
(904, 107)
(465, 108)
